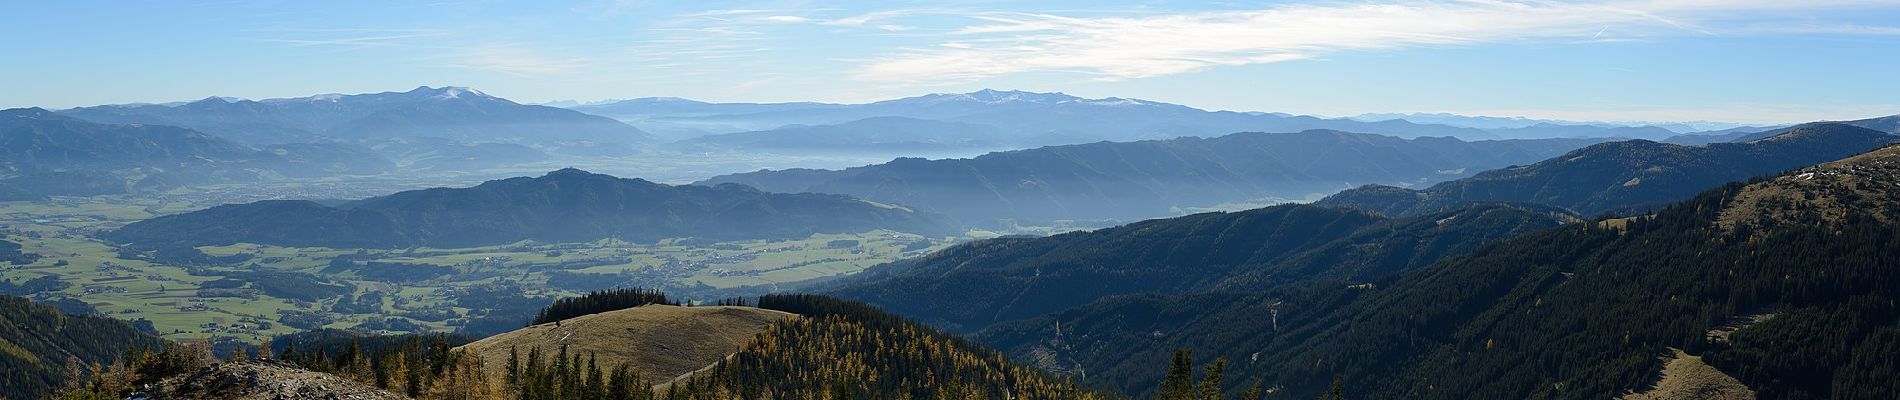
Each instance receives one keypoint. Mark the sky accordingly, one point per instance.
(1752, 61)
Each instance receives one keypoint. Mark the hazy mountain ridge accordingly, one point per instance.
(1623, 176)
(1146, 179)
(1032, 119)
(455, 113)
(885, 134)
(565, 205)
(51, 154)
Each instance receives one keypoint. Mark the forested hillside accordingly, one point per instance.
(38, 345)
(10, 252)
(1783, 284)
(1137, 180)
(1630, 176)
(561, 206)
(843, 349)
(1014, 278)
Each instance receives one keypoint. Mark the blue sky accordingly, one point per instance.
(1738, 60)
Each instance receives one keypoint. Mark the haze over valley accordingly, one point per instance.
(971, 200)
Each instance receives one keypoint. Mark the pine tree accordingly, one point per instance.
(1211, 380)
(593, 388)
(513, 383)
(290, 354)
(1253, 392)
(1338, 392)
(1179, 384)
(620, 388)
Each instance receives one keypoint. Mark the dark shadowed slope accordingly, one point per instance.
(36, 340)
(1784, 284)
(1623, 176)
(1138, 180)
(565, 205)
(1007, 279)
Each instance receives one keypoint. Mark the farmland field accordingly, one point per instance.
(254, 291)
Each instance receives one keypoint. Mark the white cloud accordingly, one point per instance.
(1123, 47)
(789, 19)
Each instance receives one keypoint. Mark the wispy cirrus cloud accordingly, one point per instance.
(436, 46)
(349, 37)
(1142, 46)
(513, 60)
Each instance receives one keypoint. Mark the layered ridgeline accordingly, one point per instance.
(44, 153)
(1139, 180)
(38, 344)
(1014, 278)
(1889, 124)
(1626, 176)
(568, 205)
(1026, 119)
(1780, 288)
(886, 134)
(453, 113)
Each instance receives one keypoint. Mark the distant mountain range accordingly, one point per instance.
(45, 153)
(453, 113)
(875, 134)
(562, 206)
(1488, 122)
(1626, 176)
(1146, 179)
(1031, 119)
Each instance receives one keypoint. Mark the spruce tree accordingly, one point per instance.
(514, 370)
(1179, 384)
(593, 388)
(1211, 381)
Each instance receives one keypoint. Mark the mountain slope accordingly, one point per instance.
(1889, 124)
(1795, 304)
(659, 341)
(565, 205)
(1623, 176)
(449, 112)
(842, 349)
(45, 153)
(36, 140)
(1147, 179)
(37, 340)
(1016, 278)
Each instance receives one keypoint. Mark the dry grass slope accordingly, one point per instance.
(1686, 377)
(660, 341)
(1820, 191)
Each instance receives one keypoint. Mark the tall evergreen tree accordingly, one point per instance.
(1179, 384)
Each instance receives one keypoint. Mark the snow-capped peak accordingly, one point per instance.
(447, 92)
(987, 96)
